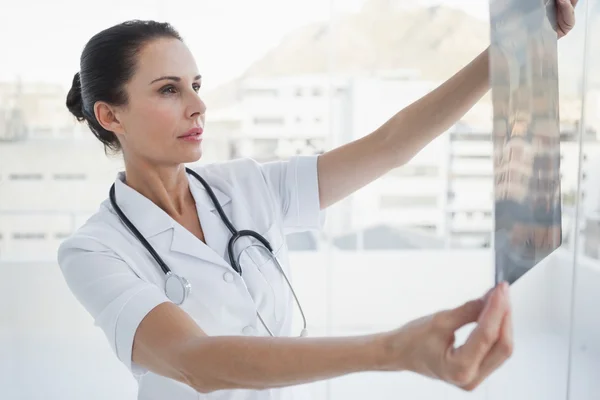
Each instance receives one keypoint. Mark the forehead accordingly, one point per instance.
(162, 57)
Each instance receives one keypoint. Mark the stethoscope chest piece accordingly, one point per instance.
(177, 288)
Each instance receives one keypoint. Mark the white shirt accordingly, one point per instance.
(118, 282)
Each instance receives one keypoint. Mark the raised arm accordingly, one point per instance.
(348, 168)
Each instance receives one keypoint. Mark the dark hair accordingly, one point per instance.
(107, 63)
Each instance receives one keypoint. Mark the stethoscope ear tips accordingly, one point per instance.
(304, 333)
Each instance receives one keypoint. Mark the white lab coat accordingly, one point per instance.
(118, 282)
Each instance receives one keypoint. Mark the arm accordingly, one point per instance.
(169, 343)
(150, 333)
(344, 170)
(348, 168)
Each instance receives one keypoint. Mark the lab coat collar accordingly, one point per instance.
(197, 188)
(147, 217)
(215, 231)
(150, 219)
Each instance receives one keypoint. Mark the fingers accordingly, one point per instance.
(565, 15)
(466, 359)
(500, 352)
(486, 296)
(465, 314)
(456, 318)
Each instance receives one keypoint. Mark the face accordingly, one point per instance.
(164, 108)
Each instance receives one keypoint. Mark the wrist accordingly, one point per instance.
(391, 351)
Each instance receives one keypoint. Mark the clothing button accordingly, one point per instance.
(248, 330)
(228, 277)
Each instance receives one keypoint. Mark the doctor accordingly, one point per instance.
(186, 271)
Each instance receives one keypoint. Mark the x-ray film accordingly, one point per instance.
(526, 135)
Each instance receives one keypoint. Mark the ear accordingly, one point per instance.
(107, 116)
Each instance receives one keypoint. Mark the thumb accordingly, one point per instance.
(465, 314)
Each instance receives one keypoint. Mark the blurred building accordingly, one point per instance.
(443, 197)
(445, 192)
(35, 110)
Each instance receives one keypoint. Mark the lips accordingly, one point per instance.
(192, 132)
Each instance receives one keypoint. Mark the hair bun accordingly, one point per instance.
(74, 100)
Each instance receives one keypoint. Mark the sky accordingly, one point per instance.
(41, 40)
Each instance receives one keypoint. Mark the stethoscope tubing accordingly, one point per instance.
(186, 287)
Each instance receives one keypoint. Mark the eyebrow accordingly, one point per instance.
(173, 78)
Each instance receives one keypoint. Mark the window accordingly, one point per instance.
(473, 157)
(425, 227)
(29, 236)
(25, 177)
(462, 175)
(426, 170)
(255, 92)
(416, 170)
(390, 201)
(472, 137)
(268, 121)
(70, 177)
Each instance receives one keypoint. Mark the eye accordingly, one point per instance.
(196, 87)
(169, 89)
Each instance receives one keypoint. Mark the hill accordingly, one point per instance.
(437, 41)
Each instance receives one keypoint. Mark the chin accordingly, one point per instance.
(192, 156)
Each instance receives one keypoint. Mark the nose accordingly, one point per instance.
(195, 107)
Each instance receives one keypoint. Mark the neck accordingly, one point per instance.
(165, 186)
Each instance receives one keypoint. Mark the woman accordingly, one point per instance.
(164, 229)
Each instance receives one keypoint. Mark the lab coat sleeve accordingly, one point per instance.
(110, 291)
(295, 186)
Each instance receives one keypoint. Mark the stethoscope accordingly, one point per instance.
(178, 288)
